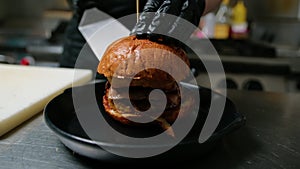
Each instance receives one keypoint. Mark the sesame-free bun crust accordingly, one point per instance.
(123, 57)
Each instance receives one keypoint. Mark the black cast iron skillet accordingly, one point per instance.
(60, 117)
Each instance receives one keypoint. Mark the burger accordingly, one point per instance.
(134, 68)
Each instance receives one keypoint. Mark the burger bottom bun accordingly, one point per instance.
(164, 122)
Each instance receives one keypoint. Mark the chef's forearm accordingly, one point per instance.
(211, 5)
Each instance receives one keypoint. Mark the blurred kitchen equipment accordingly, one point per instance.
(273, 9)
(268, 58)
(248, 66)
(33, 29)
(7, 59)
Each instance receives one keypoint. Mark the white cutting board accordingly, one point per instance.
(25, 90)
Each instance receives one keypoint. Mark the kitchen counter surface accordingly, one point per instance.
(270, 139)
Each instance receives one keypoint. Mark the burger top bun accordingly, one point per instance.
(125, 56)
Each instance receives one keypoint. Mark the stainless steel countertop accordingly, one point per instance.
(270, 139)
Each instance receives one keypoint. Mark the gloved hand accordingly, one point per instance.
(155, 24)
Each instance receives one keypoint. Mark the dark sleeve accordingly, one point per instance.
(73, 43)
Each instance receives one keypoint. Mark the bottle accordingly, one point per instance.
(239, 25)
(222, 25)
(209, 24)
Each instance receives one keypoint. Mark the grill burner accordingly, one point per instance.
(243, 47)
(248, 65)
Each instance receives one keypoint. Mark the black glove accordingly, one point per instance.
(155, 25)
